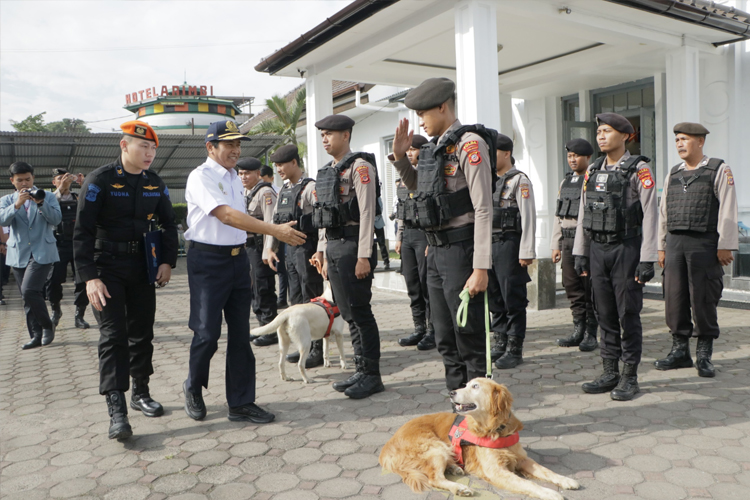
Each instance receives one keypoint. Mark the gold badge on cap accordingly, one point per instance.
(140, 130)
(232, 127)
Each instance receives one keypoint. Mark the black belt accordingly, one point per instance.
(124, 247)
(569, 232)
(342, 232)
(615, 237)
(502, 235)
(449, 236)
(233, 250)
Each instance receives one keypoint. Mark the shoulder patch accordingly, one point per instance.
(269, 199)
(92, 192)
(475, 158)
(524, 190)
(730, 177)
(471, 146)
(364, 174)
(644, 175)
(166, 191)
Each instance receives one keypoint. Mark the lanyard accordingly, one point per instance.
(462, 316)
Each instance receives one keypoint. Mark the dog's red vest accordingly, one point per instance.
(331, 310)
(461, 436)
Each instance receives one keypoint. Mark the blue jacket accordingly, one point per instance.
(32, 235)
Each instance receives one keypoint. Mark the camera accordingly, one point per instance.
(36, 193)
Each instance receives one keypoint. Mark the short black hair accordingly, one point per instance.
(20, 167)
(215, 144)
(266, 171)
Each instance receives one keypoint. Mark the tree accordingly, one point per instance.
(285, 120)
(32, 123)
(35, 123)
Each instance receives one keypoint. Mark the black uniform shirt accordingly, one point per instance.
(110, 208)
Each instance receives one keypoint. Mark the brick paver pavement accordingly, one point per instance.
(683, 437)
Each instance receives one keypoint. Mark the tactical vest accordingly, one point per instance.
(402, 194)
(329, 211)
(605, 211)
(692, 204)
(431, 206)
(506, 218)
(570, 196)
(251, 195)
(288, 209)
(64, 230)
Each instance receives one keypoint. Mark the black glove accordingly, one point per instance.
(581, 264)
(644, 272)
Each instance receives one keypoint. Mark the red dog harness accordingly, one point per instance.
(331, 310)
(461, 436)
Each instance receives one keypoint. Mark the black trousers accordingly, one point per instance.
(126, 324)
(692, 280)
(462, 348)
(59, 276)
(507, 287)
(577, 288)
(283, 274)
(218, 284)
(353, 295)
(30, 281)
(263, 280)
(305, 282)
(618, 298)
(414, 271)
(380, 241)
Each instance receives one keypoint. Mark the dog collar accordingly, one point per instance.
(331, 310)
(460, 435)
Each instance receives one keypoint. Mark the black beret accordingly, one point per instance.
(417, 141)
(285, 154)
(431, 93)
(690, 129)
(249, 163)
(335, 122)
(58, 171)
(580, 147)
(617, 122)
(504, 143)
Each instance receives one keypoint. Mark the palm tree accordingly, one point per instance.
(286, 120)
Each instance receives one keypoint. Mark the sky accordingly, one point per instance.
(78, 59)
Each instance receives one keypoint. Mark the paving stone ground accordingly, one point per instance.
(682, 437)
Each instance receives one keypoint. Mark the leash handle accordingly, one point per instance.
(462, 316)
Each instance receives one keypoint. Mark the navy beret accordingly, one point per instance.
(580, 147)
(285, 154)
(418, 140)
(431, 93)
(690, 129)
(335, 122)
(617, 122)
(504, 143)
(249, 163)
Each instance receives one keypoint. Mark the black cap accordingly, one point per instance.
(690, 129)
(417, 141)
(285, 154)
(249, 163)
(504, 143)
(431, 93)
(59, 171)
(224, 131)
(617, 122)
(335, 122)
(581, 147)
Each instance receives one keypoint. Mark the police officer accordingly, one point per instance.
(411, 245)
(266, 175)
(453, 205)
(347, 190)
(513, 250)
(68, 200)
(295, 203)
(617, 219)
(217, 275)
(122, 201)
(697, 234)
(260, 199)
(577, 288)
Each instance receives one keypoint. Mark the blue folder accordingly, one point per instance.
(152, 241)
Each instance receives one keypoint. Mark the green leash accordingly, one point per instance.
(462, 316)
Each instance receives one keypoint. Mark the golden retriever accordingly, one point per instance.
(421, 452)
(302, 324)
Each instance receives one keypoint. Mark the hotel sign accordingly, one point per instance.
(174, 91)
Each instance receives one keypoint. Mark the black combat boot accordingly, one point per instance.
(499, 344)
(48, 335)
(369, 383)
(140, 399)
(119, 427)
(575, 338)
(428, 341)
(607, 381)
(589, 342)
(315, 358)
(36, 341)
(678, 357)
(343, 385)
(513, 354)
(80, 322)
(628, 386)
(703, 352)
(56, 313)
(419, 332)
(267, 339)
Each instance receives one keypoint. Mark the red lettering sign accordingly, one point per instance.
(176, 90)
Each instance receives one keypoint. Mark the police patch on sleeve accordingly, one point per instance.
(166, 191)
(730, 177)
(644, 175)
(524, 190)
(475, 158)
(268, 199)
(92, 192)
(471, 146)
(364, 174)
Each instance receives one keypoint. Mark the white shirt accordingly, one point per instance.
(209, 186)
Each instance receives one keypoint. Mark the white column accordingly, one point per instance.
(506, 115)
(318, 105)
(664, 138)
(683, 90)
(584, 106)
(477, 89)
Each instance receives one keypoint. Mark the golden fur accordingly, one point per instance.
(420, 451)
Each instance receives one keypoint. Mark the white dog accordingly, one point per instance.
(302, 324)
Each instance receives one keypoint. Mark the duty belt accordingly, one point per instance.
(569, 232)
(449, 236)
(119, 247)
(503, 235)
(615, 238)
(233, 250)
(342, 232)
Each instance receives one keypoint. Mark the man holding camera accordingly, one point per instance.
(32, 217)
